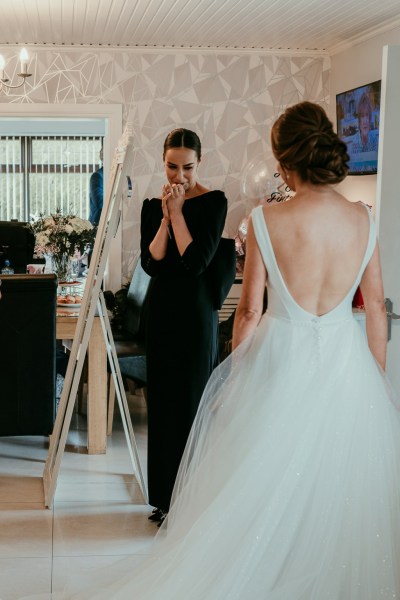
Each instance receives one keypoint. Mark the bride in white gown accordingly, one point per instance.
(289, 488)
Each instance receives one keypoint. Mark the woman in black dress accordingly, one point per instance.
(179, 236)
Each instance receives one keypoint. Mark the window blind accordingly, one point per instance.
(41, 173)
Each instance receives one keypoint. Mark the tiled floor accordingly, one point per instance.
(97, 517)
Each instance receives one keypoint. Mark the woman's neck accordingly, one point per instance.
(196, 190)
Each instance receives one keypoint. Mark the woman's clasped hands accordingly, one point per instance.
(173, 198)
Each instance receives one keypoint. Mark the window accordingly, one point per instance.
(42, 173)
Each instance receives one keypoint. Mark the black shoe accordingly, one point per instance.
(156, 515)
(163, 517)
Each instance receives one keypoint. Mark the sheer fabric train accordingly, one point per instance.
(289, 488)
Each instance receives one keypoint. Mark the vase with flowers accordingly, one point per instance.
(61, 237)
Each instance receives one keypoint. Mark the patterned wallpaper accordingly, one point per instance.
(230, 99)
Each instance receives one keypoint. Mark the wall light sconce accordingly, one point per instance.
(24, 58)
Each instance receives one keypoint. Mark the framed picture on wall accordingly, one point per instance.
(358, 117)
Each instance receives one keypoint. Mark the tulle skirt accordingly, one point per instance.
(289, 488)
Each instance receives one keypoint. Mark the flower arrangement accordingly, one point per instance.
(61, 236)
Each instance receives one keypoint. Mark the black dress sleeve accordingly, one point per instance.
(205, 219)
(206, 232)
(150, 220)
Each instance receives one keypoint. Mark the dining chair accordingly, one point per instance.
(17, 245)
(129, 341)
(27, 354)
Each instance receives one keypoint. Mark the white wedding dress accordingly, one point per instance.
(290, 484)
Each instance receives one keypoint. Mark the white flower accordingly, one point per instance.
(80, 225)
(42, 239)
(59, 234)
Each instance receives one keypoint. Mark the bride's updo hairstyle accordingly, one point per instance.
(303, 140)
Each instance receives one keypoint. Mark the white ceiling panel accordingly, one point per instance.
(320, 25)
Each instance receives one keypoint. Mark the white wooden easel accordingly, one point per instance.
(93, 300)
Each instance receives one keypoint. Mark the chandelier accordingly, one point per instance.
(24, 58)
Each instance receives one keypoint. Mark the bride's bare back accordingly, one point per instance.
(319, 240)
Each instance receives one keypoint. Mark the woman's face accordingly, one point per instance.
(364, 125)
(181, 166)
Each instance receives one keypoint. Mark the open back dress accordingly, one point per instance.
(289, 488)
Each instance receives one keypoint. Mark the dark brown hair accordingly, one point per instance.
(303, 140)
(183, 138)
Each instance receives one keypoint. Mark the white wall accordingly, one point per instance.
(351, 68)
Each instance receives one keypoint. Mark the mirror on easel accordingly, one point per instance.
(93, 306)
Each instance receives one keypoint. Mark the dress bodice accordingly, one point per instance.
(281, 303)
(205, 218)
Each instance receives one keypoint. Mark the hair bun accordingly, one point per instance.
(303, 140)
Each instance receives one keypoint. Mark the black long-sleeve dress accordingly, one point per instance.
(181, 326)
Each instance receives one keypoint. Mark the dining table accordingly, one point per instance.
(97, 378)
